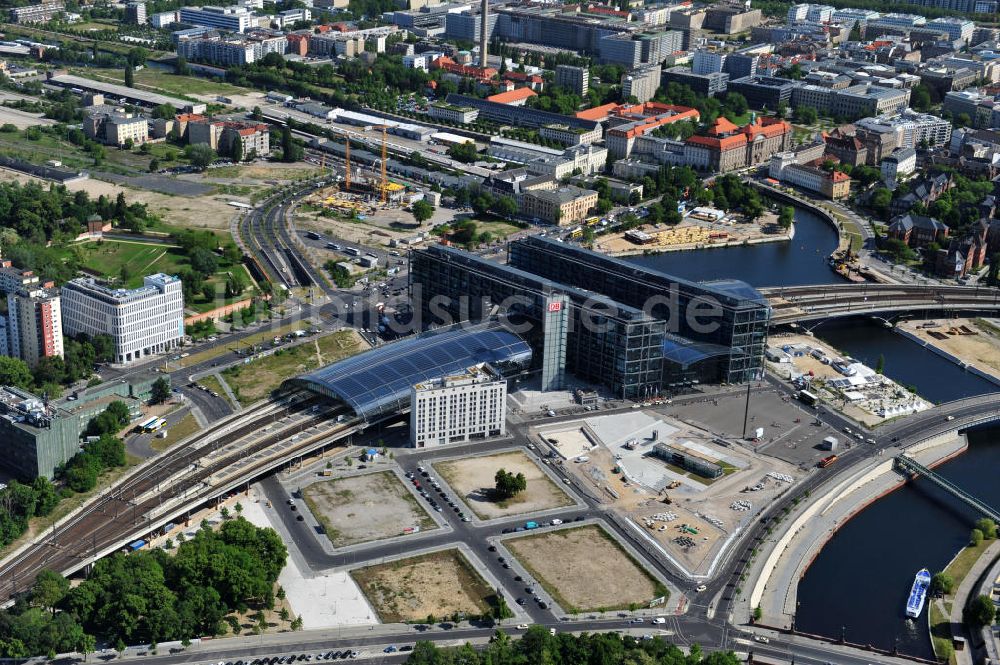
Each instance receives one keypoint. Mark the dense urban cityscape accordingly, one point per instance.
(500, 331)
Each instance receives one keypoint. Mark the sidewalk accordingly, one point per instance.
(969, 586)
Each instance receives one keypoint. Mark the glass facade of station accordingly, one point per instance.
(598, 339)
(726, 313)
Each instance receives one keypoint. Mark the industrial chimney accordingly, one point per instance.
(484, 34)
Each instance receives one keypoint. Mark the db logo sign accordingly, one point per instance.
(555, 306)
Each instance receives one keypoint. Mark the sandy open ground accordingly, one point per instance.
(473, 478)
(323, 601)
(981, 348)
(584, 569)
(22, 119)
(208, 212)
(359, 509)
(436, 584)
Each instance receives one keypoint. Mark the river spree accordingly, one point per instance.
(860, 580)
(801, 260)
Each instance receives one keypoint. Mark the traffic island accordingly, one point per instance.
(364, 508)
(428, 587)
(585, 569)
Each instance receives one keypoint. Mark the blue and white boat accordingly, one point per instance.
(918, 594)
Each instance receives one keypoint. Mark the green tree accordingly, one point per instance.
(920, 97)
(15, 372)
(855, 34)
(787, 217)
(290, 150)
(507, 485)
(988, 527)
(806, 115)
(976, 538)
(130, 77)
(160, 391)
(979, 612)
(942, 583)
(236, 150)
(200, 155)
(422, 211)
(993, 276)
(49, 590)
(880, 365)
(154, 165)
(464, 152)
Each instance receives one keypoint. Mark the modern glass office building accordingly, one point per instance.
(569, 328)
(725, 313)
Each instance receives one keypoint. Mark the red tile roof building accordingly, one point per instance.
(516, 97)
(726, 147)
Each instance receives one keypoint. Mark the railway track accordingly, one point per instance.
(115, 516)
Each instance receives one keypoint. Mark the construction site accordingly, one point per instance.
(685, 490)
(358, 191)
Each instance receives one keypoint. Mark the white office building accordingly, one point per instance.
(810, 13)
(457, 408)
(849, 16)
(902, 162)
(233, 19)
(142, 321)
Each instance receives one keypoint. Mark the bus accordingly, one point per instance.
(807, 397)
(352, 251)
(576, 232)
(827, 461)
(152, 425)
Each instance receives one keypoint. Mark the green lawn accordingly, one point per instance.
(170, 84)
(108, 258)
(255, 381)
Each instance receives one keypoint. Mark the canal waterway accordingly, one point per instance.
(801, 260)
(861, 578)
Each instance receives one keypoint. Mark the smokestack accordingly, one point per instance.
(483, 36)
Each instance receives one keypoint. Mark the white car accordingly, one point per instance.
(522, 626)
(761, 638)
(701, 587)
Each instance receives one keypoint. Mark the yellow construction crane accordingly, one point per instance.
(347, 164)
(385, 183)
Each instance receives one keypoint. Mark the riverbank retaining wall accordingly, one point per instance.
(972, 369)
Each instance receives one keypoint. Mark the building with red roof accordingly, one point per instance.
(465, 71)
(515, 97)
(627, 123)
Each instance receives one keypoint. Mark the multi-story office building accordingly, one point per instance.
(795, 168)
(565, 206)
(468, 26)
(763, 91)
(902, 161)
(163, 19)
(707, 62)
(34, 325)
(811, 13)
(731, 343)
(977, 106)
(740, 65)
(135, 13)
(568, 135)
(900, 21)
(849, 16)
(40, 13)
(856, 102)
(15, 279)
(641, 83)
(452, 113)
(813, 96)
(232, 19)
(575, 79)
(957, 28)
(552, 26)
(569, 328)
(517, 115)
(141, 322)
(633, 50)
(731, 19)
(707, 84)
(459, 407)
(912, 129)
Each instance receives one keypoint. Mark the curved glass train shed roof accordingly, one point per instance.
(377, 383)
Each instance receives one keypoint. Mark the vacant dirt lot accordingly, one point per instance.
(585, 569)
(473, 478)
(436, 584)
(359, 509)
(207, 212)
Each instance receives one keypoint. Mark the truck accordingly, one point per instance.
(136, 545)
(827, 461)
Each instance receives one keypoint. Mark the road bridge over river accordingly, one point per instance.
(796, 304)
